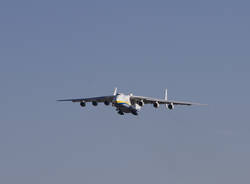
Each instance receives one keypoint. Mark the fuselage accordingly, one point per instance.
(123, 104)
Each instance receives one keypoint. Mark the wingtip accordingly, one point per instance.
(60, 100)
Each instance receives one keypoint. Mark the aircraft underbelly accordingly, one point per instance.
(124, 108)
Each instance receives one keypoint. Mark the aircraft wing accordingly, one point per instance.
(149, 100)
(92, 99)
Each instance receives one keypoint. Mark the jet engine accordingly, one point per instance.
(82, 104)
(171, 106)
(156, 104)
(140, 103)
(94, 103)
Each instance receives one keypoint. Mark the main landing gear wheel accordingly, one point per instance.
(134, 113)
(120, 112)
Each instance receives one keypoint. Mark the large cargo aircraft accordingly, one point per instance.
(129, 103)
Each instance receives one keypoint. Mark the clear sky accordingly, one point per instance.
(54, 49)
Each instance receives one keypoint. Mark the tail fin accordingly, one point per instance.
(115, 91)
(166, 94)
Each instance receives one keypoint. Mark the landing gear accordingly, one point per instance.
(135, 113)
(120, 112)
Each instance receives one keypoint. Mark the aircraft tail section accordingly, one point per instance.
(115, 92)
(166, 94)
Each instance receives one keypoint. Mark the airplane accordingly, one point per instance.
(129, 103)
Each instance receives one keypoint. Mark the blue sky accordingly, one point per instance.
(50, 50)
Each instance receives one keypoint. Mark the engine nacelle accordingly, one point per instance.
(171, 106)
(140, 103)
(94, 103)
(156, 104)
(82, 104)
(106, 102)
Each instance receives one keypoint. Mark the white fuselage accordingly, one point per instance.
(123, 104)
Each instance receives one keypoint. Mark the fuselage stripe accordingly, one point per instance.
(122, 102)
